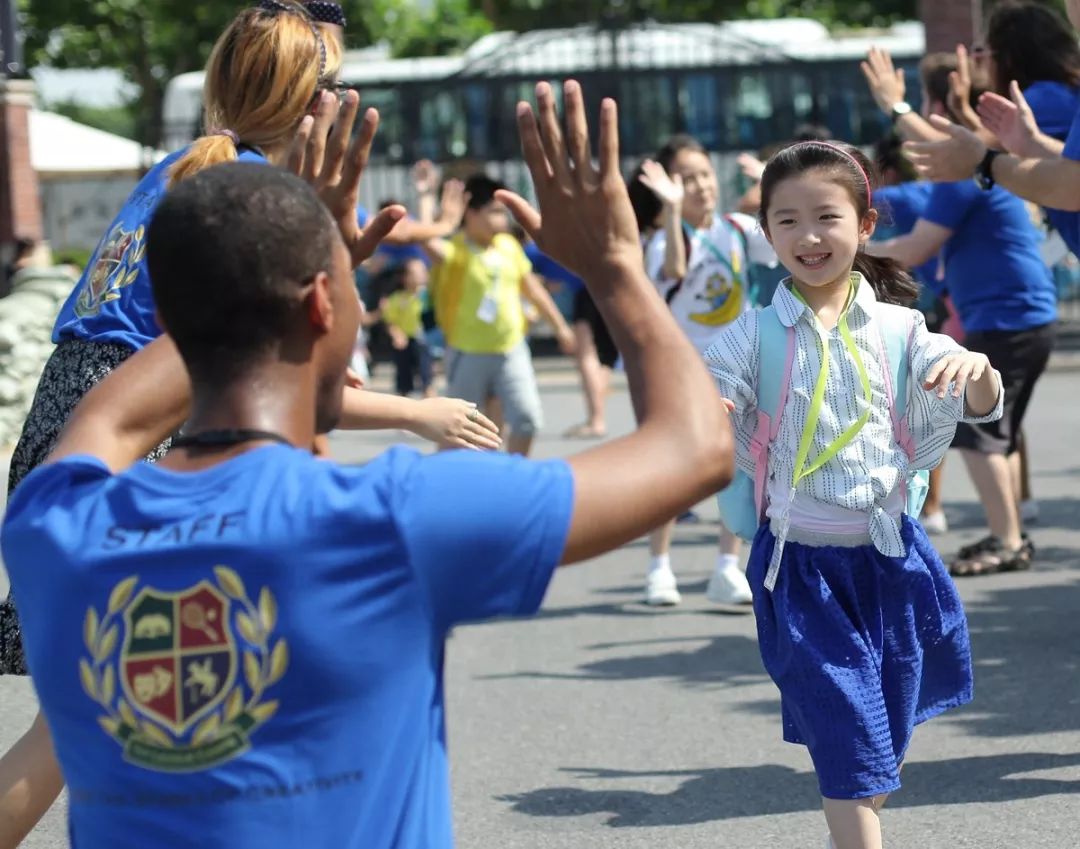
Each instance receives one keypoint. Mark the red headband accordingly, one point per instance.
(838, 149)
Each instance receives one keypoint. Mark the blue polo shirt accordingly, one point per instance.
(113, 300)
(1068, 223)
(1055, 106)
(900, 206)
(993, 269)
(252, 655)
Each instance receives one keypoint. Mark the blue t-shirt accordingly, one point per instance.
(900, 207)
(546, 267)
(252, 655)
(993, 269)
(1054, 106)
(113, 300)
(1068, 223)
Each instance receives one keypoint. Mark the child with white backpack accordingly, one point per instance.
(701, 263)
(840, 394)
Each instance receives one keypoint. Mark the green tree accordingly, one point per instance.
(154, 40)
(523, 15)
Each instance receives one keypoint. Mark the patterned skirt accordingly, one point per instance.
(72, 371)
(863, 648)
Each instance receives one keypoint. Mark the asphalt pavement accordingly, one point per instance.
(602, 722)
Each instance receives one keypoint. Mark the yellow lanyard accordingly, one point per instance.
(817, 400)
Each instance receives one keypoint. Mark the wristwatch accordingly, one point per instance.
(984, 174)
(899, 110)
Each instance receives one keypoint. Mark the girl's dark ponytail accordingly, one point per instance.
(891, 281)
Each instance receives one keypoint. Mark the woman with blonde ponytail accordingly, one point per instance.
(272, 67)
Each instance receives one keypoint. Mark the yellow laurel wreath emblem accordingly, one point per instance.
(263, 665)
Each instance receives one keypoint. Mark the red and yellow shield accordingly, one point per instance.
(179, 657)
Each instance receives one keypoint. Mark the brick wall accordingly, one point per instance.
(20, 201)
(950, 22)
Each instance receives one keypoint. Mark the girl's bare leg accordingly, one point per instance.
(854, 823)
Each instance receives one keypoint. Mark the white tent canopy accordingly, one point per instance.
(60, 147)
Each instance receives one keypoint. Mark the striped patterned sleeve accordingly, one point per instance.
(933, 420)
(732, 359)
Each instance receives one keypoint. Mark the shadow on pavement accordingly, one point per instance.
(730, 660)
(1027, 668)
(733, 792)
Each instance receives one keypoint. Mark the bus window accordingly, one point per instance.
(647, 115)
(389, 141)
(442, 125)
(753, 109)
(699, 104)
(478, 123)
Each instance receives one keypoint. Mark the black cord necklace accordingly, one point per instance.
(226, 437)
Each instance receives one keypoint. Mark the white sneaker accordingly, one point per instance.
(1029, 511)
(729, 586)
(935, 523)
(661, 588)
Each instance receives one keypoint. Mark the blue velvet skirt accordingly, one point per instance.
(863, 647)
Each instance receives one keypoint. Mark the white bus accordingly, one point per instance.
(738, 85)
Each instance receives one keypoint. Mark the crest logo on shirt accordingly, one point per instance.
(114, 266)
(182, 676)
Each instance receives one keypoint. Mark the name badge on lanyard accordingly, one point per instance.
(488, 311)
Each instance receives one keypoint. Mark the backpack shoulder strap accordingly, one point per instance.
(896, 327)
(774, 373)
(773, 380)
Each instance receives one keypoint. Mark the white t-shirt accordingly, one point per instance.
(713, 293)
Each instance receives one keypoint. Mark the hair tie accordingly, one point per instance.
(840, 150)
(304, 12)
(229, 134)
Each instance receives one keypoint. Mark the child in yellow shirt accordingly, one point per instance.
(401, 312)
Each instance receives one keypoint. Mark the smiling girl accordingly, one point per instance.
(859, 624)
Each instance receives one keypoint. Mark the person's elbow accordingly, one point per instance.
(710, 448)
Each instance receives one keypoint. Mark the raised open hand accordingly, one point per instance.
(452, 201)
(585, 221)
(750, 166)
(425, 177)
(323, 155)
(668, 190)
(953, 157)
(885, 81)
(959, 98)
(1012, 121)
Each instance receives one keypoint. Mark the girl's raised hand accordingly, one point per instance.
(956, 370)
(669, 190)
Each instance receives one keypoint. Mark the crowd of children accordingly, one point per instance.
(822, 400)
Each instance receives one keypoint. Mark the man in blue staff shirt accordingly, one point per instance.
(242, 645)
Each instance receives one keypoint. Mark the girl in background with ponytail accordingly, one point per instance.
(859, 623)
